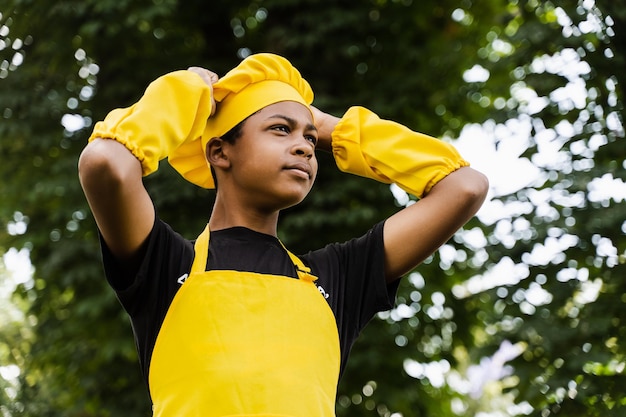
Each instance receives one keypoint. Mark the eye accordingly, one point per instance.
(281, 128)
(311, 138)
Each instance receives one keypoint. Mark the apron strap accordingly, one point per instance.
(201, 248)
(304, 272)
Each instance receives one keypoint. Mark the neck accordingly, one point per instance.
(225, 215)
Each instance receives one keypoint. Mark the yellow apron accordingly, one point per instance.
(245, 344)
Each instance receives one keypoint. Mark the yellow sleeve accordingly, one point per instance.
(366, 145)
(174, 107)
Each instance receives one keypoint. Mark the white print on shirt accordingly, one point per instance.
(182, 278)
(322, 291)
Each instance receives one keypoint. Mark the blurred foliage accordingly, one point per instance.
(73, 61)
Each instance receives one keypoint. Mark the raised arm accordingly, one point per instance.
(450, 191)
(111, 177)
(414, 233)
(129, 144)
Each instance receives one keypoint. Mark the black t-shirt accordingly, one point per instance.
(350, 277)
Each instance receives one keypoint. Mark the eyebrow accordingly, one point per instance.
(292, 122)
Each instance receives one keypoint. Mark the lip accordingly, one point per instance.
(300, 167)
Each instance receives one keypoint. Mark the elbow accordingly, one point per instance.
(106, 164)
(94, 165)
(479, 185)
(475, 189)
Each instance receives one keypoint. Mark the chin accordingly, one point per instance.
(291, 200)
(292, 203)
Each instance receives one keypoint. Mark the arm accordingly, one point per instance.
(128, 144)
(451, 192)
(325, 124)
(111, 177)
(414, 233)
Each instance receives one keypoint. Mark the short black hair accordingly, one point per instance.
(235, 133)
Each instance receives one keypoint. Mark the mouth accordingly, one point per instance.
(302, 169)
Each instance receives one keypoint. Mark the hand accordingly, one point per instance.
(325, 124)
(209, 78)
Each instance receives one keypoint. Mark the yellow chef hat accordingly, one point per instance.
(258, 81)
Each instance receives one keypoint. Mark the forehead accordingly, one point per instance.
(294, 110)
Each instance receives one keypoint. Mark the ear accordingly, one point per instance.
(215, 153)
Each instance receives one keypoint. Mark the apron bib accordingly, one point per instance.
(245, 344)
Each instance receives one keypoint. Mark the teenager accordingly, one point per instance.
(232, 323)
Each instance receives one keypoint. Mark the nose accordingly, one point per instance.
(303, 148)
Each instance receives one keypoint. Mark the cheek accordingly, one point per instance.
(315, 167)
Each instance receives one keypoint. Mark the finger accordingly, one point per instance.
(213, 106)
(209, 77)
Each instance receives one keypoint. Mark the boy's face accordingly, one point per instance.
(273, 162)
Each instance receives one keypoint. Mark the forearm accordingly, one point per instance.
(365, 145)
(325, 124)
(174, 108)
